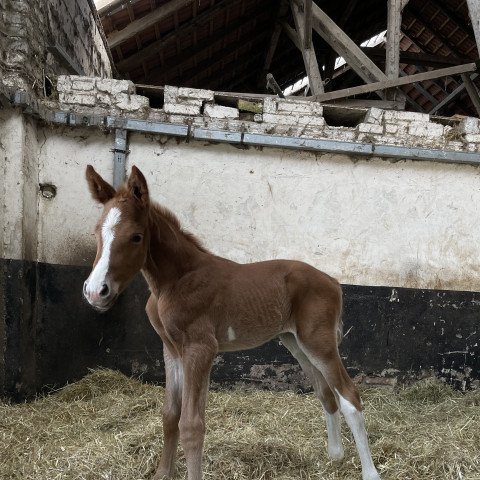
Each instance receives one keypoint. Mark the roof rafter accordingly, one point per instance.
(277, 30)
(166, 10)
(193, 74)
(345, 46)
(150, 50)
(178, 61)
(419, 77)
(308, 54)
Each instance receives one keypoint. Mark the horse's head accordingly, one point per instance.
(122, 237)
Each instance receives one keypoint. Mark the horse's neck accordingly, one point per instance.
(171, 254)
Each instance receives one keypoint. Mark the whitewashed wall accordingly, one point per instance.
(366, 222)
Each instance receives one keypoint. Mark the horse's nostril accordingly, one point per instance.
(85, 288)
(104, 291)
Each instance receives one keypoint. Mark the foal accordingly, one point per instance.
(201, 304)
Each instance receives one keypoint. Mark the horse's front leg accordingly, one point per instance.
(171, 414)
(197, 363)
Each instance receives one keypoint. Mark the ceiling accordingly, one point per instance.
(222, 44)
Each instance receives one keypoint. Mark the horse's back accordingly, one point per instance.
(295, 286)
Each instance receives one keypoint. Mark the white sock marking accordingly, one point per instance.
(335, 447)
(356, 422)
(231, 334)
(97, 277)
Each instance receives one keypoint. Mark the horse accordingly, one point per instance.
(201, 304)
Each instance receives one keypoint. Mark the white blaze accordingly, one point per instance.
(97, 277)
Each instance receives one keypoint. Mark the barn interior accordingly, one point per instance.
(345, 134)
(231, 96)
(231, 46)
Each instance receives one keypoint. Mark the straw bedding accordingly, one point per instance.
(108, 426)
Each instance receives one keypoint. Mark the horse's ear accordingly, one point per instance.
(137, 186)
(101, 190)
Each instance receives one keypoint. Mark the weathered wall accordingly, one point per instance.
(378, 226)
(19, 168)
(18, 249)
(366, 222)
(399, 235)
(31, 27)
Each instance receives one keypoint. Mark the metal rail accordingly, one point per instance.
(21, 99)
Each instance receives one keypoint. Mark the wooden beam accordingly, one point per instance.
(421, 68)
(451, 96)
(307, 15)
(425, 21)
(347, 13)
(272, 46)
(394, 21)
(345, 46)
(308, 54)
(292, 35)
(415, 105)
(332, 56)
(472, 92)
(153, 48)
(396, 82)
(392, 57)
(186, 55)
(202, 68)
(233, 79)
(453, 14)
(474, 12)
(422, 90)
(277, 30)
(415, 58)
(166, 10)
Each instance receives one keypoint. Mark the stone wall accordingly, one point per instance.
(34, 31)
(291, 116)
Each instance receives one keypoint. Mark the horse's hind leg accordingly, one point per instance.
(317, 339)
(323, 392)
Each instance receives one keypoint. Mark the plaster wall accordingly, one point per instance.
(376, 225)
(18, 192)
(366, 222)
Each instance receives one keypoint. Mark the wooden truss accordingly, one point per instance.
(310, 17)
(308, 20)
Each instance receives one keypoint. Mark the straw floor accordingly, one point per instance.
(108, 426)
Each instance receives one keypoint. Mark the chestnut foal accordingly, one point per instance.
(201, 304)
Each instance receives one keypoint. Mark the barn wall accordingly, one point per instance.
(18, 250)
(400, 236)
(366, 222)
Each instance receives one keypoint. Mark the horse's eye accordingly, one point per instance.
(137, 238)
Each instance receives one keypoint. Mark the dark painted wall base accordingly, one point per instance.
(51, 336)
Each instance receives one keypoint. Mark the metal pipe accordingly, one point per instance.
(120, 157)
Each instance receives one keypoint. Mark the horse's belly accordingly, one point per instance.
(241, 333)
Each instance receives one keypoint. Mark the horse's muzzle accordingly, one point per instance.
(101, 298)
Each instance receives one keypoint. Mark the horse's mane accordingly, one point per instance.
(159, 213)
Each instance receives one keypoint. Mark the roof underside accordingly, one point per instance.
(222, 45)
